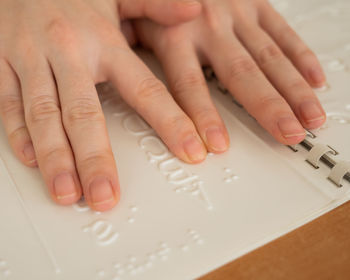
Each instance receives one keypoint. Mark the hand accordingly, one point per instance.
(52, 53)
(257, 57)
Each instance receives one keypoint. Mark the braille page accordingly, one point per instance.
(174, 220)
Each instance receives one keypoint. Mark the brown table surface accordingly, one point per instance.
(319, 250)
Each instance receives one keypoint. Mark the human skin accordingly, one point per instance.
(256, 56)
(52, 53)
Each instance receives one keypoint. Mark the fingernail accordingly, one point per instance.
(64, 186)
(291, 128)
(194, 149)
(190, 2)
(312, 113)
(101, 192)
(317, 76)
(29, 153)
(216, 139)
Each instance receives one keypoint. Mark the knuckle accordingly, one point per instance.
(93, 159)
(148, 90)
(214, 20)
(269, 54)
(241, 66)
(189, 80)
(54, 154)
(269, 103)
(43, 108)
(11, 105)
(205, 113)
(17, 133)
(285, 33)
(305, 52)
(60, 31)
(25, 49)
(109, 33)
(177, 123)
(172, 36)
(298, 86)
(82, 110)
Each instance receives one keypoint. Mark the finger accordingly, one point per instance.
(189, 88)
(167, 12)
(283, 75)
(128, 32)
(43, 118)
(242, 77)
(12, 115)
(85, 126)
(149, 97)
(291, 44)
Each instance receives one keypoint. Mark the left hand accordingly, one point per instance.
(52, 53)
(255, 54)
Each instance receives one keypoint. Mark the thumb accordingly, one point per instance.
(168, 12)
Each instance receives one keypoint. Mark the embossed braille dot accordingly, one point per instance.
(191, 231)
(131, 220)
(102, 231)
(121, 271)
(81, 206)
(196, 236)
(164, 258)
(185, 248)
(195, 192)
(200, 241)
(117, 265)
(231, 179)
(4, 270)
(101, 273)
(340, 118)
(161, 252)
(337, 65)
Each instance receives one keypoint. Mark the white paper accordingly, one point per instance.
(174, 220)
